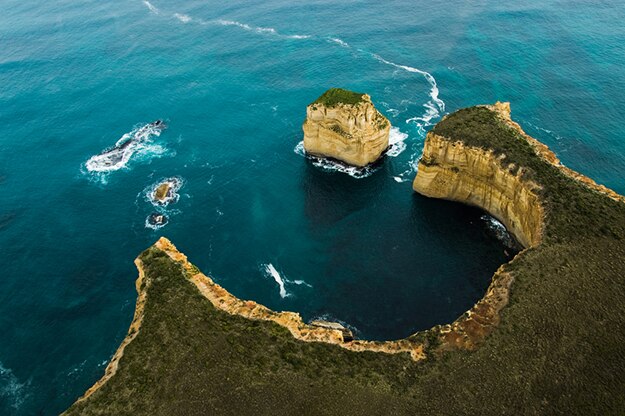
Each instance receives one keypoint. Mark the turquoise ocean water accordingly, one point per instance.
(232, 80)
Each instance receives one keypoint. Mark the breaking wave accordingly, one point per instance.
(331, 165)
(136, 142)
(396, 142)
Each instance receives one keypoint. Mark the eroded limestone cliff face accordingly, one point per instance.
(354, 133)
(451, 170)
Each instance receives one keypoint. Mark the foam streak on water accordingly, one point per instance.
(271, 271)
(151, 7)
(433, 108)
(430, 79)
(396, 142)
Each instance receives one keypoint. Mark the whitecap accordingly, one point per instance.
(340, 42)
(299, 149)
(271, 271)
(396, 142)
(183, 17)
(298, 36)
(151, 7)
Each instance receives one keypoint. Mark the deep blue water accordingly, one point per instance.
(232, 80)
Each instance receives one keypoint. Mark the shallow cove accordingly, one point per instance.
(367, 252)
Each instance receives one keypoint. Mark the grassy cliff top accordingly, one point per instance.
(559, 349)
(335, 96)
(574, 211)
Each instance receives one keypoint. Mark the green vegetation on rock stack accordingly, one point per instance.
(335, 96)
(559, 348)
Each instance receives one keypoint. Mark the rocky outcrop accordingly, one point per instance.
(346, 126)
(166, 191)
(451, 170)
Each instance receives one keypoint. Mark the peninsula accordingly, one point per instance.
(345, 125)
(547, 338)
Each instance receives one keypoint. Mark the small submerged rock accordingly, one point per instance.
(165, 192)
(156, 220)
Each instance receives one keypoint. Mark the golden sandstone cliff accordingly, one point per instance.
(564, 315)
(451, 170)
(346, 126)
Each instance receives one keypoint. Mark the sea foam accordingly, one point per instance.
(136, 142)
(271, 271)
(11, 390)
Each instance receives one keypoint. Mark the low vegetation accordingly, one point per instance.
(559, 348)
(335, 96)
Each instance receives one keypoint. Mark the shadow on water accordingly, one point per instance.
(395, 262)
(322, 188)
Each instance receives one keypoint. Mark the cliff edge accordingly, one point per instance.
(547, 337)
(345, 126)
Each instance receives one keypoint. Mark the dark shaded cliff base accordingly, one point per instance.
(559, 347)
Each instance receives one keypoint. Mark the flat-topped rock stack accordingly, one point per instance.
(345, 125)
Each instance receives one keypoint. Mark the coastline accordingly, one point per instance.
(466, 333)
(141, 285)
